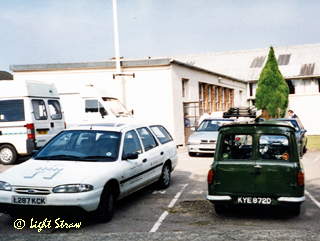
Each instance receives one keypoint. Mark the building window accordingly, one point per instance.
(307, 69)
(184, 88)
(258, 62)
(291, 86)
(223, 103)
(217, 98)
(209, 98)
(303, 86)
(284, 59)
(319, 85)
(201, 98)
(251, 89)
(229, 98)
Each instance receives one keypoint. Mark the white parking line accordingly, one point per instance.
(313, 199)
(165, 213)
(316, 159)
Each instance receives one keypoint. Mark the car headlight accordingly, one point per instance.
(5, 186)
(71, 188)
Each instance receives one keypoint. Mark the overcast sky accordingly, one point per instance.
(64, 31)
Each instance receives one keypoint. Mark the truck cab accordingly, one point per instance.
(90, 104)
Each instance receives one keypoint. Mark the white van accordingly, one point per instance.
(30, 115)
(83, 104)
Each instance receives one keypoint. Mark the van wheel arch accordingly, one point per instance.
(8, 154)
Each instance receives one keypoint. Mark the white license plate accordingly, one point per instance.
(25, 200)
(254, 200)
(209, 146)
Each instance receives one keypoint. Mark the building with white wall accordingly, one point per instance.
(165, 88)
(299, 65)
(161, 89)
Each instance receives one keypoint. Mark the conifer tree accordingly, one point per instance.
(272, 90)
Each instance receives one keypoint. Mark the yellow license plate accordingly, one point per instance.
(42, 132)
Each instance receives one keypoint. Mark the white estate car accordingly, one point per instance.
(88, 168)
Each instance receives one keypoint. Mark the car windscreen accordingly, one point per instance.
(116, 107)
(82, 145)
(274, 147)
(212, 125)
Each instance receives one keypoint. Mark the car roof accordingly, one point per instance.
(218, 119)
(252, 123)
(285, 119)
(110, 126)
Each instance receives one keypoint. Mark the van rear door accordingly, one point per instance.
(48, 119)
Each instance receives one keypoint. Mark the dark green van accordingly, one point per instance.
(256, 163)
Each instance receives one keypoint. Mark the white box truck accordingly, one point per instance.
(89, 104)
(30, 115)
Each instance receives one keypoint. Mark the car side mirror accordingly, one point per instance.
(303, 130)
(130, 156)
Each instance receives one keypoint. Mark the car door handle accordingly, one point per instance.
(161, 153)
(145, 160)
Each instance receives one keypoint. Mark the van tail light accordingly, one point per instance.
(210, 176)
(30, 131)
(300, 178)
(65, 125)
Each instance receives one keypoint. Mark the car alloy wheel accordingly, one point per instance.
(106, 206)
(8, 154)
(164, 181)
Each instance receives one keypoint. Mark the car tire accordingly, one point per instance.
(8, 154)
(295, 210)
(305, 148)
(192, 153)
(165, 178)
(105, 210)
(220, 208)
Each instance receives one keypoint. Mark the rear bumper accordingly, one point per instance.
(279, 200)
(292, 199)
(212, 198)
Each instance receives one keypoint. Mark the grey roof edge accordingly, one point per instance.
(246, 50)
(4, 75)
(111, 64)
(89, 65)
(207, 71)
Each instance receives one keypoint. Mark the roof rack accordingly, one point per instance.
(237, 112)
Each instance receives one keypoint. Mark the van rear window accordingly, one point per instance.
(55, 110)
(274, 147)
(39, 109)
(237, 147)
(11, 110)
